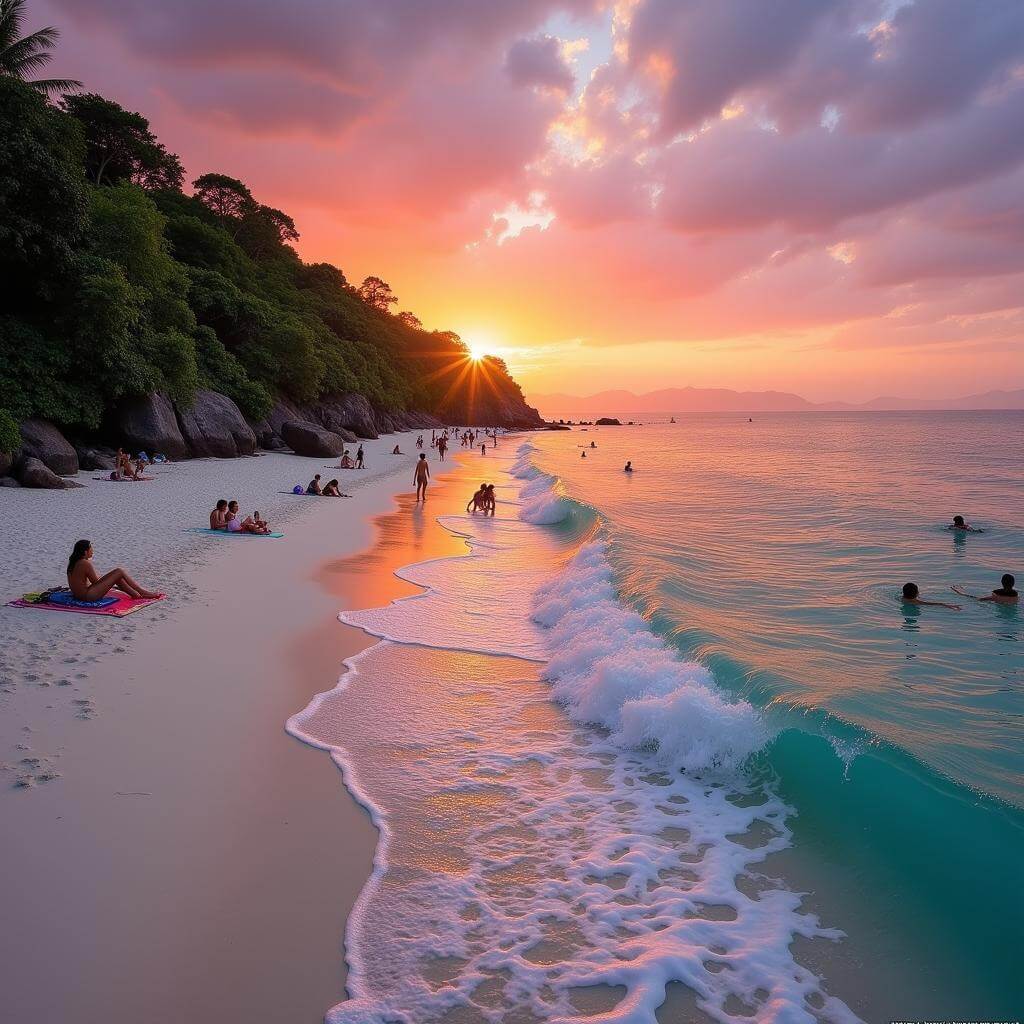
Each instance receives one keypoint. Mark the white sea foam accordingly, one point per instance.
(609, 668)
(528, 860)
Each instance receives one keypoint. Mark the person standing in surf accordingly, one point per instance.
(421, 477)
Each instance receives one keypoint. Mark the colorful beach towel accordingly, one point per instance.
(118, 605)
(122, 480)
(229, 533)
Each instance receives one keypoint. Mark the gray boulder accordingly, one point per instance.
(282, 412)
(34, 473)
(148, 424)
(311, 439)
(214, 426)
(8, 481)
(95, 458)
(350, 413)
(41, 440)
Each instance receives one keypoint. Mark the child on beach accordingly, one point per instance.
(479, 500)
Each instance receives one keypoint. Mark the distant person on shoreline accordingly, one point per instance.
(628, 468)
(85, 585)
(396, 450)
(959, 525)
(359, 458)
(911, 596)
(313, 487)
(489, 499)
(1004, 594)
(219, 516)
(421, 477)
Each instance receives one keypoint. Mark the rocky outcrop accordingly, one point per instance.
(306, 438)
(608, 421)
(34, 473)
(148, 424)
(96, 458)
(6, 462)
(41, 440)
(349, 412)
(213, 426)
(8, 481)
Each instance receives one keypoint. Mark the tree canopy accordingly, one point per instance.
(119, 283)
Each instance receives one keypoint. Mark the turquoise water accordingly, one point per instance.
(773, 552)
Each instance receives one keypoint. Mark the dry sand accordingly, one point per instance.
(189, 860)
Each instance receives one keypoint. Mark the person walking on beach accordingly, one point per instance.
(421, 477)
(442, 447)
(911, 596)
(359, 458)
(1004, 594)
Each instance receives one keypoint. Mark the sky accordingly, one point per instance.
(818, 196)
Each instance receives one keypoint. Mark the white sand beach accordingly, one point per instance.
(170, 853)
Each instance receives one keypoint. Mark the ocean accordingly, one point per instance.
(666, 746)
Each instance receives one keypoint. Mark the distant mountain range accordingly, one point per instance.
(670, 401)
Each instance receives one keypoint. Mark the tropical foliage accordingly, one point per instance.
(21, 56)
(119, 282)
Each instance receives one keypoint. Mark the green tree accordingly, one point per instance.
(43, 199)
(227, 198)
(377, 293)
(21, 56)
(120, 147)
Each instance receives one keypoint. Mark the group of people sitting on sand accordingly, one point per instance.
(331, 489)
(482, 500)
(225, 516)
(126, 468)
(1004, 594)
(347, 462)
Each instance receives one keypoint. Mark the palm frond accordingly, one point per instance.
(12, 12)
(49, 86)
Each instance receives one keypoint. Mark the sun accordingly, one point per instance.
(476, 353)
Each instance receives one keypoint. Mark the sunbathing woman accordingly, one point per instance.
(124, 468)
(87, 586)
(219, 516)
(234, 523)
(332, 490)
(346, 462)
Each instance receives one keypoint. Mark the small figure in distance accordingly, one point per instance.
(359, 458)
(1002, 595)
(910, 596)
(313, 487)
(219, 516)
(961, 527)
(421, 477)
(396, 450)
(489, 499)
(628, 468)
(262, 526)
(593, 444)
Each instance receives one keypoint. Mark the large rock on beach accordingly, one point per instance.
(34, 473)
(350, 413)
(148, 424)
(41, 440)
(6, 462)
(306, 438)
(214, 427)
(96, 458)
(8, 481)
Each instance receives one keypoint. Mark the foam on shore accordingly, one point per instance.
(549, 859)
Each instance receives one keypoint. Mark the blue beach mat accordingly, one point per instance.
(228, 533)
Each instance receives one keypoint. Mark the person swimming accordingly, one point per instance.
(911, 595)
(1004, 594)
(313, 487)
(960, 525)
(628, 468)
(85, 585)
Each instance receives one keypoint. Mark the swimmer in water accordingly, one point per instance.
(628, 468)
(1002, 595)
(960, 526)
(910, 596)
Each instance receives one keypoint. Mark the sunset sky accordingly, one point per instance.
(820, 196)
